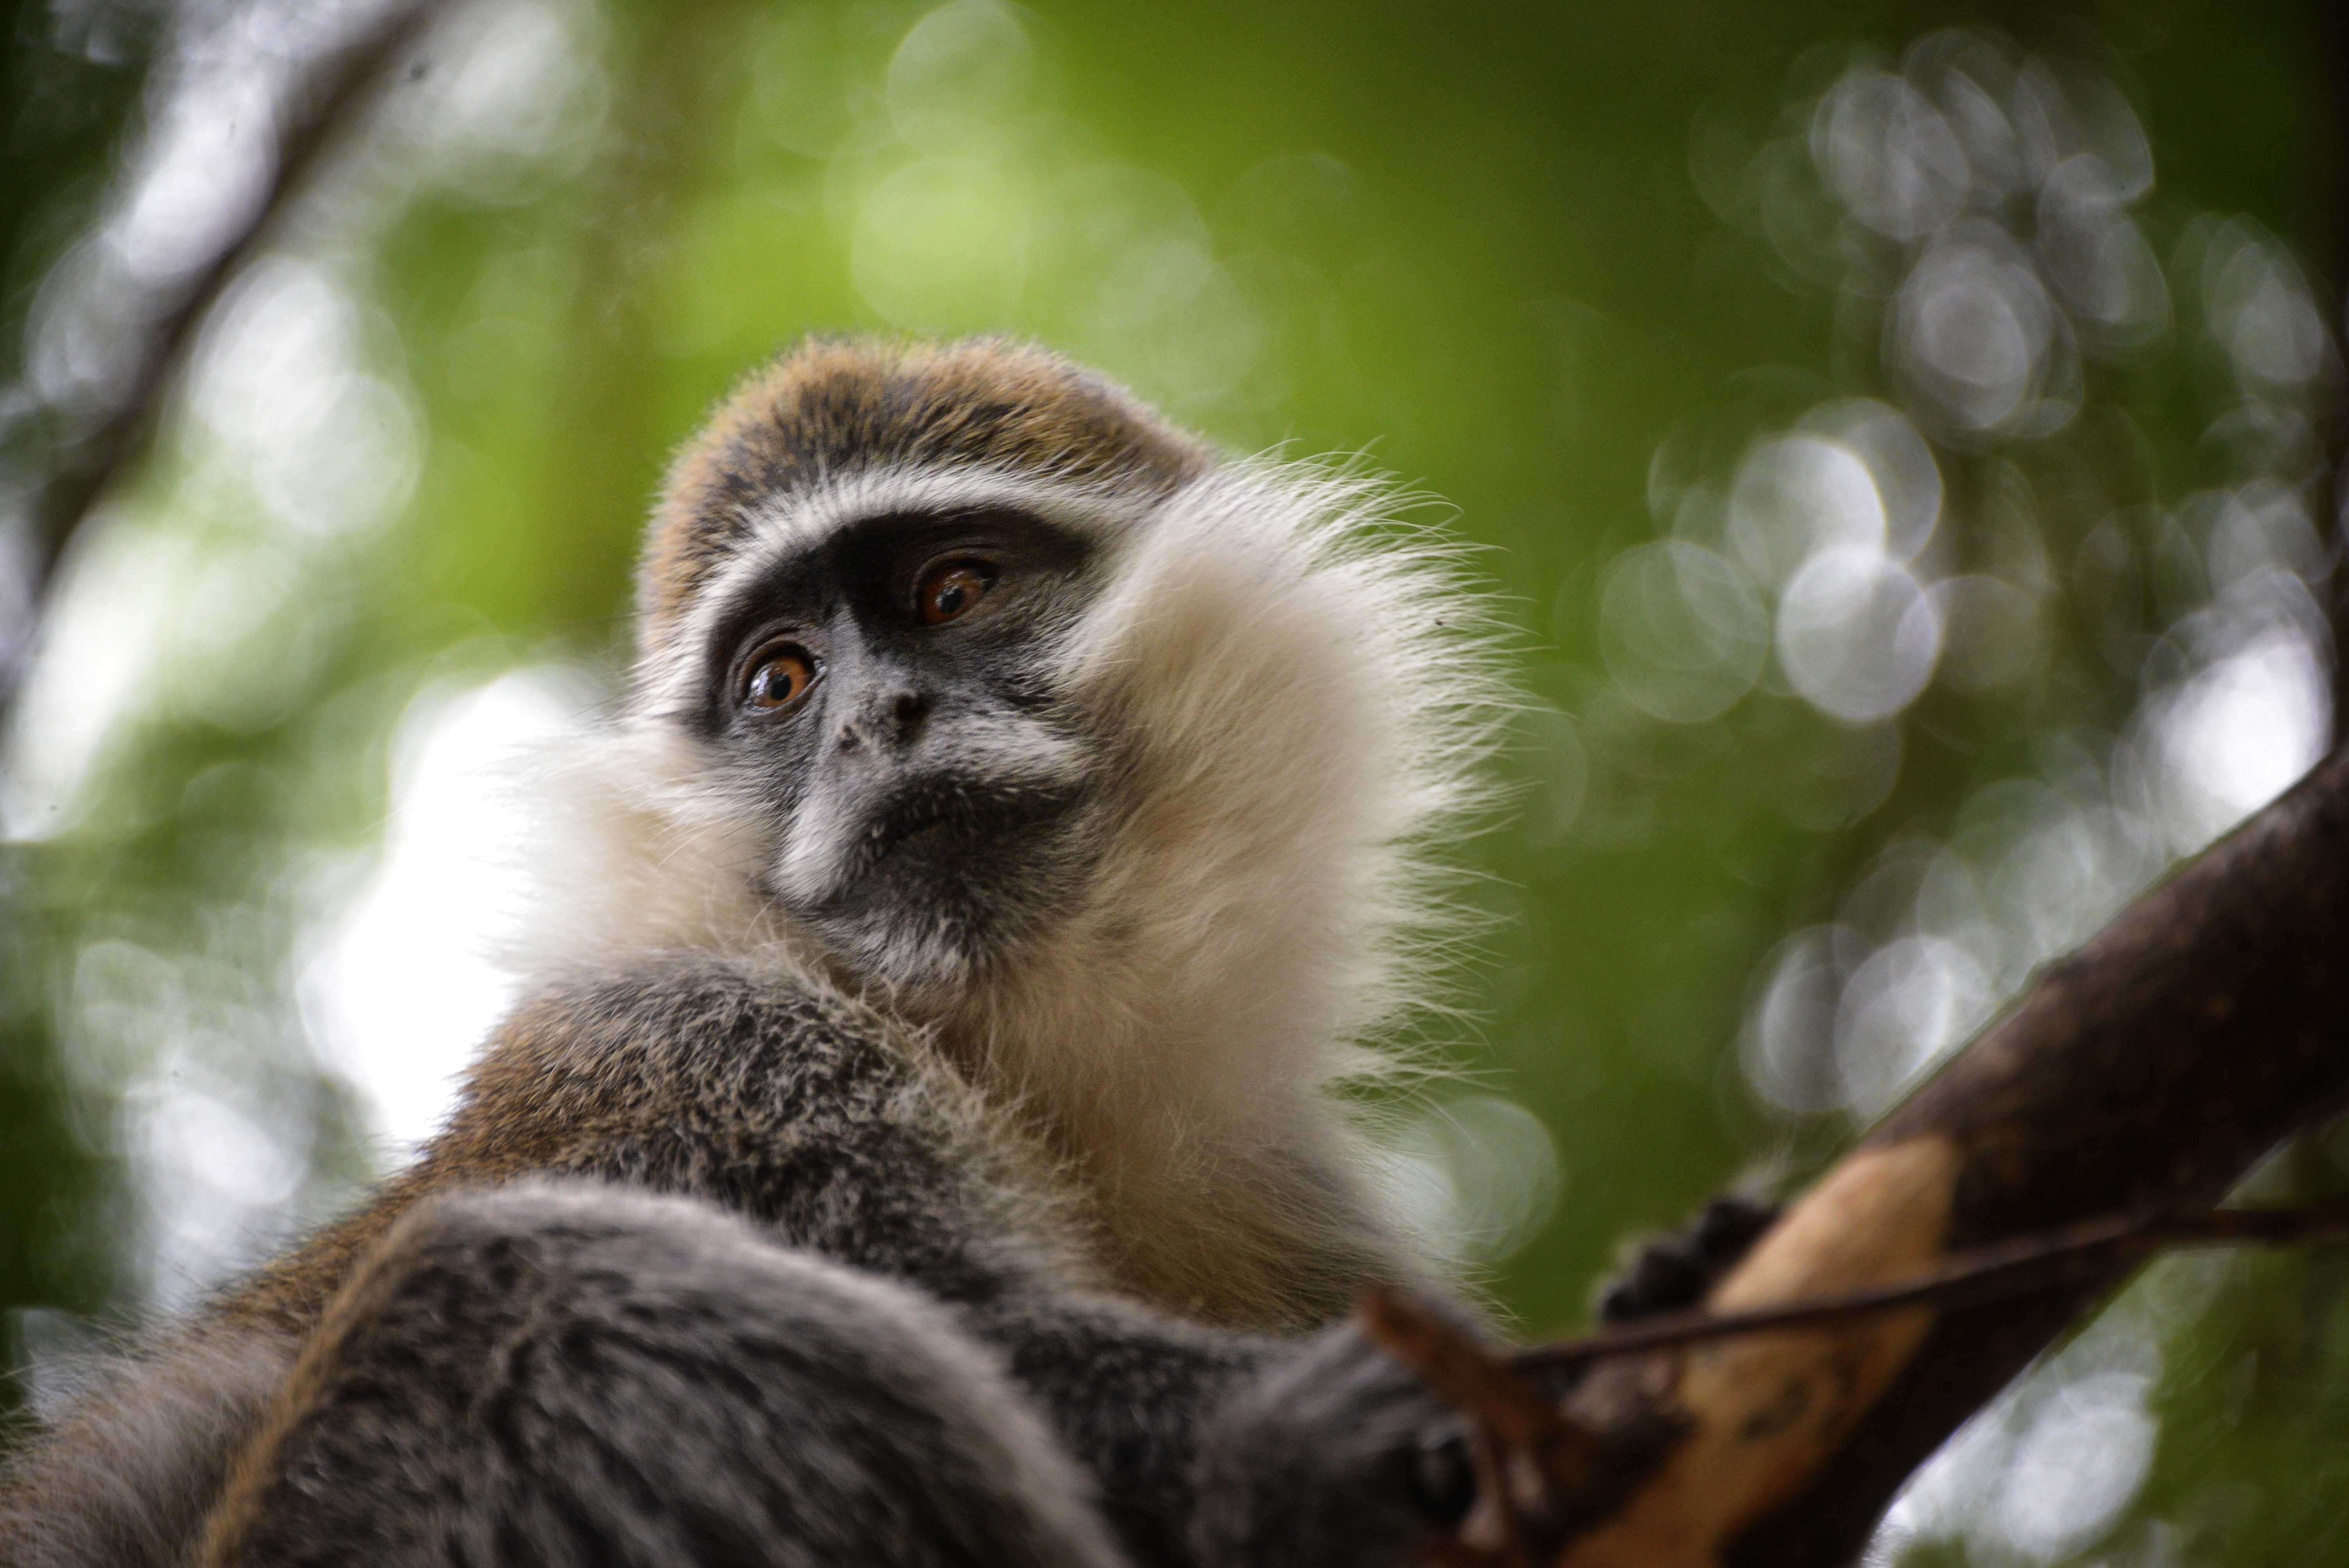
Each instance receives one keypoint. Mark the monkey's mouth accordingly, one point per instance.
(939, 833)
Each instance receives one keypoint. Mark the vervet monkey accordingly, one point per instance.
(916, 1145)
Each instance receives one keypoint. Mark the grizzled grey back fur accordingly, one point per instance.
(130, 1480)
(572, 1374)
(885, 1282)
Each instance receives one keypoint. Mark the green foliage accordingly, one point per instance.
(1582, 272)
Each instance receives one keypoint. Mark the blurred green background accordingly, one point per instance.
(1899, 434)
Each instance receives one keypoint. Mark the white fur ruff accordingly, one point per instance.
(1302, 694)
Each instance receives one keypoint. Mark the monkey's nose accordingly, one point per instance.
(894, 718)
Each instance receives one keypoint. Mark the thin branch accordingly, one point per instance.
(2073, 1255)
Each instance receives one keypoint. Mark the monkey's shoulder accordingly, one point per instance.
(692, 1073)
(689, 1040)
(743, 1085)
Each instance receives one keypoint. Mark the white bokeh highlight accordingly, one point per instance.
(1858, 634)
(1474, 1177)
(404, 987)
(1682, 629)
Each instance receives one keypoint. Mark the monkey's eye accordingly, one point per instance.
(779, 676)
(949, 589)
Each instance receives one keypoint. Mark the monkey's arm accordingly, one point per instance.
(1221, 1448)
(863, 1153)
(1319, 1451)
(661, 1346)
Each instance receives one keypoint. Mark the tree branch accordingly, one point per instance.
(315, 115)
(2141, 1076)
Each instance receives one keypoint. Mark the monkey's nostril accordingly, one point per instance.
(907, 710)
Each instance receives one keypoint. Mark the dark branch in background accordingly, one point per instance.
(315, 116)
(2330, 22)
(2141, 1077)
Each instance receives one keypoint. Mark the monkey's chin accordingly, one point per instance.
(935, 900)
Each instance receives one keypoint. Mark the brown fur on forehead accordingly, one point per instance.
(831, 408)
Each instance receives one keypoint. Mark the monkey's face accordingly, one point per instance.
(882, 700)
(980, 663)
